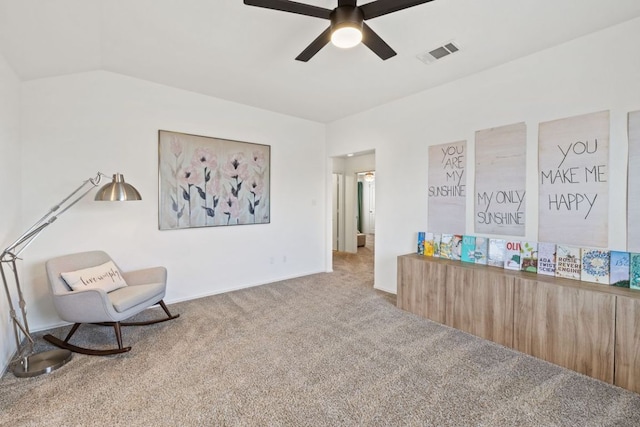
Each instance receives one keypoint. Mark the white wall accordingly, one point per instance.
(363, 163)
(74, 126)
(9, 189)
(593, 73)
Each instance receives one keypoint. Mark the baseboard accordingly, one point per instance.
(240, 287)
(389, 291)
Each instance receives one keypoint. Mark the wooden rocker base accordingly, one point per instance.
(82, 350)
(116, 326)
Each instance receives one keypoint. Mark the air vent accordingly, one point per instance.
(439, 52)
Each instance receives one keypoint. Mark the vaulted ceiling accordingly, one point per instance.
(245, 54)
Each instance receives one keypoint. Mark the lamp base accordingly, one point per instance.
(42, 363)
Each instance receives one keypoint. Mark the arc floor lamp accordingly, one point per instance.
(27, 363)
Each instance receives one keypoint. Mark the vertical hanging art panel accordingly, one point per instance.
(573, 161)
(447, 188)
(633, 186)
(500, 187)
(205, 182)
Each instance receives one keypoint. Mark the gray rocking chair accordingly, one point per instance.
(144, 289)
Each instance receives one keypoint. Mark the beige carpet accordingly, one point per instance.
(323, 350)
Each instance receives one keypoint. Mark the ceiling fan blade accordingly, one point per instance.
(315, 46)
(375, 43)
(383, 7)
(291, 6)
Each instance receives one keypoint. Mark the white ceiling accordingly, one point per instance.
(245, 54)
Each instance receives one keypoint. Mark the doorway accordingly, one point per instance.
(353, 212)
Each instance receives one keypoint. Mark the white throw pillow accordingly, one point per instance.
(105, 276)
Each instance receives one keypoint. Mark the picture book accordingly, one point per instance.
(634, 271)
(619, 269)
(446, 246)
(529, 257)
(547, 259)
(496, 253)
(456, 247)
(436, 245)
(428, 244)
(421, 237)
(513, 257)
(482, 250)
(568, 262)
(468, 249)
(595, 266)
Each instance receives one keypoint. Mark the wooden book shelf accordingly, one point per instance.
(586, 327)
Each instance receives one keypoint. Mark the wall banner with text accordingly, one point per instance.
(633, 195)
(447, 188)
(500, 188)
(573, 162)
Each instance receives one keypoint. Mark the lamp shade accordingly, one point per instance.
(117, 190)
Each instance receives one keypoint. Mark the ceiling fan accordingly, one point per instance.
(347, 27)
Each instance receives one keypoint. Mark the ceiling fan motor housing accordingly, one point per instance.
(346, 16)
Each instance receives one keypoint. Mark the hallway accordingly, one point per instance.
(360, 266)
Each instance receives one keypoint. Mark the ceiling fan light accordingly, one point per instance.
(346, 26)
(346, 37)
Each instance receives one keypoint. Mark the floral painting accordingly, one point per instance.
(205, 182)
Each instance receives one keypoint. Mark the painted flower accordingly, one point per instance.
(214, 186)
(176, 147)
(231, 207)
(189, 176)
(203, 157)
(236, 167)
(256, 186)
(258, 161)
